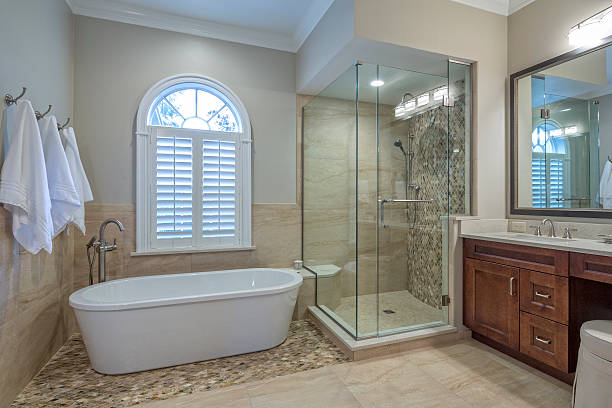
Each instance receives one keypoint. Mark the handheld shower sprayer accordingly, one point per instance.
(398, 143)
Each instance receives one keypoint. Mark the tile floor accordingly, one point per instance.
(68, 380)
(465, 374)
(409, 311)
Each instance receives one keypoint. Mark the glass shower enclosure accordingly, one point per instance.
(385, 161)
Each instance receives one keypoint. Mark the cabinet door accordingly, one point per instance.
(491, 302)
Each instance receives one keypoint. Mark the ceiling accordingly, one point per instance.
(277, 24)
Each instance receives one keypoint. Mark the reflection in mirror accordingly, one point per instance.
(564, 135)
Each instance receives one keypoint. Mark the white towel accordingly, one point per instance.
(605, 186)
(23, 180)
(65, 201)
(78, 176)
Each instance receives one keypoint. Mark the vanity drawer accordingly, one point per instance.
(544, 340)
(591, 267)
(545, 295)
(532, 258)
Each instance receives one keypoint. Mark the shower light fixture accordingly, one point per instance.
(591, 31)
(440, 93)
(377, 83)
(423, 100)
(410, 105)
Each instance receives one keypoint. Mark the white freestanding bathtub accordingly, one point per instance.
(138, 324)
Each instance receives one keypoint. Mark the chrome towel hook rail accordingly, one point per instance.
(9, 100)
(39, 115)
(60, 127)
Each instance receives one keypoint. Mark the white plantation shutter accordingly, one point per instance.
(187, 213)
(174, 188)
(219, 209)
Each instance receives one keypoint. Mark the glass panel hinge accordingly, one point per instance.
(449, 101)
(544, 113)
(446, 300)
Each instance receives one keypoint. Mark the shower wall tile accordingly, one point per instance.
(35, 318)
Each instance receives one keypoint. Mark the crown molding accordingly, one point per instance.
(117, 11)
(503, 7)
(516, 5)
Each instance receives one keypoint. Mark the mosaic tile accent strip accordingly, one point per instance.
(69, 381)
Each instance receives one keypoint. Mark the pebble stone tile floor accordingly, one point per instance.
(69, 381)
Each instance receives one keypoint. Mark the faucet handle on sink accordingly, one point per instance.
(567, 232)
(538, 230)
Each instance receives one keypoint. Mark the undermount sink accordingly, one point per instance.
(537, 238)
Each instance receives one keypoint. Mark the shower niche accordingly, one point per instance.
(385, 162)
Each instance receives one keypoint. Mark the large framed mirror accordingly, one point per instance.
(561, 136)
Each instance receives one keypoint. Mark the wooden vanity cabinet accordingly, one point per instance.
(518, 297)
(491, 302)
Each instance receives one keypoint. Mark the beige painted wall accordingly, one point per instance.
(117, 63)
(538, 31)
(36, 51)
(454, 29)
(36, 48)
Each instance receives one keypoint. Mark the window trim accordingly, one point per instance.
(144, 182)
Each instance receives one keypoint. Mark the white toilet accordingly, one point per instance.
(593, 383)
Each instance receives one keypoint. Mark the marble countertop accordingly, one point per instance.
(580, 245)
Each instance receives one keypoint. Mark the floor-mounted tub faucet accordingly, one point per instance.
(101, 247)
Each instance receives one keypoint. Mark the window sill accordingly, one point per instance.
(176, 251)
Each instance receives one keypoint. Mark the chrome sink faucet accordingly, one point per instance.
(101, 247)
(551, 230)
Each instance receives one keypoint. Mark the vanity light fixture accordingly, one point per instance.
(556, 132)
(591, 31)
(377, 82)
(571, 130)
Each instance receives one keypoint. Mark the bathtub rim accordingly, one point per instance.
(77, 301)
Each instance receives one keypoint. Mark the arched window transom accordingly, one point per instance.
(194, 106)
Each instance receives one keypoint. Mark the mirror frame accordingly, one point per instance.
(514, 209)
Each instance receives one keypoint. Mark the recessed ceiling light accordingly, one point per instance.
(377, 83)
(566, 110)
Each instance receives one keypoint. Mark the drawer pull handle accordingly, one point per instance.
(541, 340)
(512, 286)
(543, 295)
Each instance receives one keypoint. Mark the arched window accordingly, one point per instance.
(548, 170)
(194, 168)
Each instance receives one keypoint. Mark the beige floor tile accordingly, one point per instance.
(316, 389)
(483, 379)
(234, 397)
(395, 382)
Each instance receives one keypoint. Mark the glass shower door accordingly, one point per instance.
(421, 147)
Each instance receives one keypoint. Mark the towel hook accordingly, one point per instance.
(9, 100)
(39, 115)
(60, 127)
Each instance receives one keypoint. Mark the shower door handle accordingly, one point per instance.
(382, 207)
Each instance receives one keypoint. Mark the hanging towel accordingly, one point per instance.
(78, 176)
(605, 186)
(65, 201)
(23, 180)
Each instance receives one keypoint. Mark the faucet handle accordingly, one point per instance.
(538, 230)
(567, 232)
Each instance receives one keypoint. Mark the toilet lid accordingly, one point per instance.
(596, 337)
